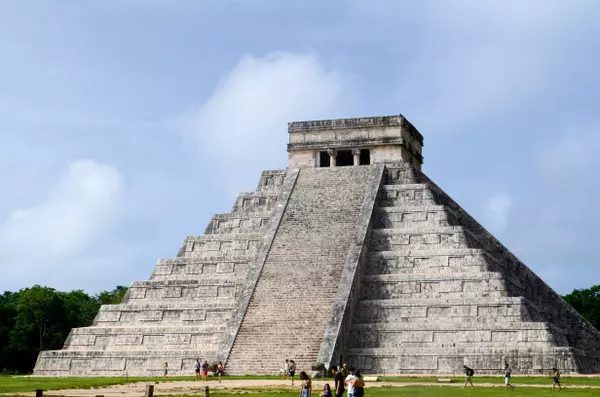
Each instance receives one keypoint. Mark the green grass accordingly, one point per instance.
(17, 385)
(418, 391)
(9, 384)
(527, 380)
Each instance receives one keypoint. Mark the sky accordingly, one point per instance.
(126, 124)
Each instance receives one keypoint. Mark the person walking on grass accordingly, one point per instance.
(306, 386)
(204, 370)
(285, 372)
(197, 368)
(338, 384)
(220, 370)
(165, 372)
(556, 379)
(292, 370)
(468, 375)
(507, 376)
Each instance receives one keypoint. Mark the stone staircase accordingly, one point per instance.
(292, 301)
(439, 292)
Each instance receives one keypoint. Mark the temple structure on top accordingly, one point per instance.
(361, 141)
(350, 254)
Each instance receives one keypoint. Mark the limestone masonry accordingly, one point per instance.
(350, 254)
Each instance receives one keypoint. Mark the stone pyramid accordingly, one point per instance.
(350, 255)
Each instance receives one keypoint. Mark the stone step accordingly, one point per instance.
(407, 196)
(196, 268)
(372, 338)
(426, 238)
(459, 345)
(252, 202)
(222, 246)
(400, 217)
(118, 363)
(484, 361)
(216, 291)
(237, 223)
(146, 341)
(456, 325)
(271, 181)
(414, 286)
(401, 175)
(430, 261)
(163, 313)
(436, 309)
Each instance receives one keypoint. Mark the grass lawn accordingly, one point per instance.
(9, 384)
(419, 391)
(17, 385)
(527, 380)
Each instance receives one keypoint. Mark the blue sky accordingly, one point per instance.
(124, 125)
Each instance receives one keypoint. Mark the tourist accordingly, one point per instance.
(220, 370)
(204, 370)
(359, 384)
(468, 374)
(306, 386)
(338, 382)
(507, 375)
(556, 379)
(197, 367)
(292, 370)
(345, 370)
(349, 381)
(165, 372)
(285, 372)
(326, 391)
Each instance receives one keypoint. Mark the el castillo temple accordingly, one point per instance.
(350, 254)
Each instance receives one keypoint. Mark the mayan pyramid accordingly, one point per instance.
(350, 254)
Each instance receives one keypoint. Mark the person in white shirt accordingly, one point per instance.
(285, 372)
(350, 382)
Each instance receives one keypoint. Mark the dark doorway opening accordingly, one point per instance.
(365, 157)
(324, 160)
(344, 158)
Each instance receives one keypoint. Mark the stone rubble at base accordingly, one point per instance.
(351, 253)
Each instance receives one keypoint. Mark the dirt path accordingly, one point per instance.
(197, 387)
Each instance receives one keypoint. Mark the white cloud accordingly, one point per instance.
(497, 211)
(242, 127)
(39, 244)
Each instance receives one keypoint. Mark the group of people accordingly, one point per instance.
(348, 378)
(344, 378)
(289, 370)
(201, 369)
(507, 376)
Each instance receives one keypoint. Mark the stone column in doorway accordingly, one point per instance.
(331, 153)
(356, 154)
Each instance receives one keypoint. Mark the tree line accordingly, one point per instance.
(40, 318)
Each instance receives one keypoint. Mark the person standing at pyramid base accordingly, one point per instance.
(507, 376)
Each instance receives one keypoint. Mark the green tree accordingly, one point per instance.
(587, 303)
(112, 297)
(40, 318)
(8, 313)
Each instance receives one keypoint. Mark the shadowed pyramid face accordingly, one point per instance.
(365, 262)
